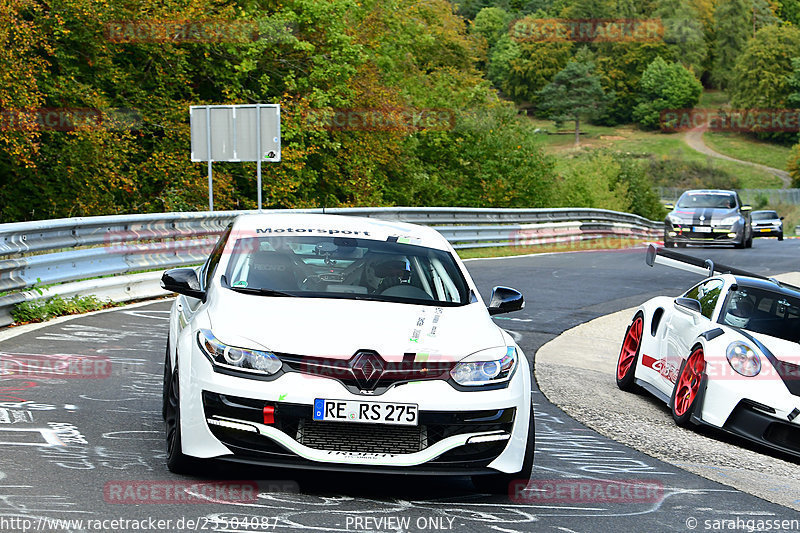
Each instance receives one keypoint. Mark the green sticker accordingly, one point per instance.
(240, 284)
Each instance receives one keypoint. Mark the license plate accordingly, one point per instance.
(765, 229)
(400, 414)
(702, 229)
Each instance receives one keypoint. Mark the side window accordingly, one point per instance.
(707, 293)
(216, 255)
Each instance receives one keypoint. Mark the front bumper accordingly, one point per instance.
(685, 233)
(767, 231)
(222, 417)
(755, 422)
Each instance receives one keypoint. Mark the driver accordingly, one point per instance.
(739, 312)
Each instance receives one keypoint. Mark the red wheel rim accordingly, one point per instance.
(630, 347)
(689, 382)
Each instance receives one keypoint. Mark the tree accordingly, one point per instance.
(683, 33)
(762, 74)
(491, 23)
(665, 85)
(732, 28)
(574, 93)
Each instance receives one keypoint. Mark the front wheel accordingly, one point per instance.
(780, 237)
(177, 462)
(684, 395)
(629, 354)
(502, 483)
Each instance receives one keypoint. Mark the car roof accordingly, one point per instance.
(709, 191)
(313, 224)
(768, 285)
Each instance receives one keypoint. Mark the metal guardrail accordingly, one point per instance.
(70, 256)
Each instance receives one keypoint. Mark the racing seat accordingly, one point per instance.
(272, 270)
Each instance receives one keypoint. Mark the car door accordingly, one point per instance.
(684, 325)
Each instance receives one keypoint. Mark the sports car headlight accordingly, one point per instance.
(730, 221)
(743, 359)
(238, 358)
(673, 219)
(475, 373)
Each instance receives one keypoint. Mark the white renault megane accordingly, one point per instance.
(331, 342)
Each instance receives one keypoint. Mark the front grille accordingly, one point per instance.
(367, 438)
(784, 435)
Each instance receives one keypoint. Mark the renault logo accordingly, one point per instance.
(367, 368)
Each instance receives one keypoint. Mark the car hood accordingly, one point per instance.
(783, 350)
(338, 328)
(709, 214)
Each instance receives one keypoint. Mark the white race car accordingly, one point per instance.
(724, 354)
(330, 342)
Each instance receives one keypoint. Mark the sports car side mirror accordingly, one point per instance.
(183, 281)
(505, 300)
(688, 303)
(747, 208)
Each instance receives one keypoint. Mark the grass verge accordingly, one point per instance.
(39, 311)
(746, 148)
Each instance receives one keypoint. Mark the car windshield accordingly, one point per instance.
(343, 267)
(764, 215)
(763, 311)
(706, 200)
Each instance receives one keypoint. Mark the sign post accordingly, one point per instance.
(235, 133)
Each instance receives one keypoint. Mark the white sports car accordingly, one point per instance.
(724, 354)
(321, 341)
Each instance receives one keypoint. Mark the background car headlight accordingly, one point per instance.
(674, 219)
(743, 359)
(486, 372)
(239, 358)
(730, 221)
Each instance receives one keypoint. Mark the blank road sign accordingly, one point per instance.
(232, 132)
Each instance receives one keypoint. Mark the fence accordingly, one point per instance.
(121, 257)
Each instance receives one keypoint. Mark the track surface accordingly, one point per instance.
(111, 431)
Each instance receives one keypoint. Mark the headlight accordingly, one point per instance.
(743, 359)
(239, 358)
(730, 221)
(673, 219)
(486, 372)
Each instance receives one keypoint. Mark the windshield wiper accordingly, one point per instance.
(260, 291)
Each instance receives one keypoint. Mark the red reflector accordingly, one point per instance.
(269, 414)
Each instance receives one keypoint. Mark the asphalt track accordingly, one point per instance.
(70, 444)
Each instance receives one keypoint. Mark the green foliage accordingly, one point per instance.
(574, 93)
(491, 23)
(732, 28)
(665, 86)
(39, 311)
(685, 174)
(793, 165)
(789, 10)
(793, 84)
(683, 33)
(531, 66)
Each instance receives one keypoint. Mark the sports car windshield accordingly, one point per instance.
(343, 267)
(764, 311)
(706, 200)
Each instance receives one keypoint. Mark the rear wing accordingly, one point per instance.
(704, 267)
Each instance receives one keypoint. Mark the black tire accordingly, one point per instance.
(684, 419)
(177, 462)
(681, 245)
(739, 245)
(165, 386)
(501, 483)
(749, 242)
(626, 380)
(780, 237)
(668, 243)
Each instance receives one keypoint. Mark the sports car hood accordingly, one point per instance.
(338, 328)
(783, 350)
(708, 214)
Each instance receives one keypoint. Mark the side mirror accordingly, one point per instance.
(782, 218)
(747, 208)
(183, 281)
(505, 300)
(688, 303)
